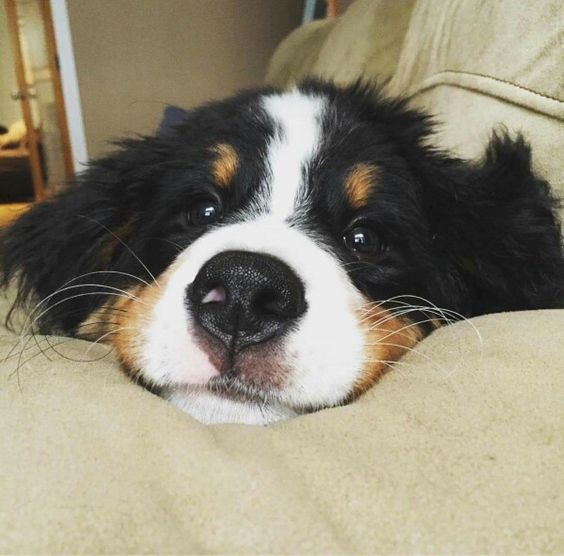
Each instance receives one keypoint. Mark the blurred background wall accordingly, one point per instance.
(135, 56)
(9, 110)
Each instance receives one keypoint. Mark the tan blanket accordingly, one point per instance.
(459, 449)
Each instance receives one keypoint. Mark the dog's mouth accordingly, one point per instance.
(235, 389)
(257, 373)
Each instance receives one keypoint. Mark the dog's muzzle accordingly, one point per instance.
(244, 298)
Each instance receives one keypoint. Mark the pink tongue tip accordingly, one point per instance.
(217, 295)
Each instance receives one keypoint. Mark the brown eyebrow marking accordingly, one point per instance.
(225, 165)
(359, 182)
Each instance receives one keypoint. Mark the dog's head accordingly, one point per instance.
(273, 253)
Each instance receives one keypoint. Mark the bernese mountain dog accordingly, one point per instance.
(274, 253)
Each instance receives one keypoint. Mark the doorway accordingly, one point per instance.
(35, 152)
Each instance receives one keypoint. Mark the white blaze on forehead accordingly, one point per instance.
(298, 119)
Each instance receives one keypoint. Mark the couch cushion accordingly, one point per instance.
(481, 64)
(517, 42)
(365, 41)
(297, 53)
(459, 449)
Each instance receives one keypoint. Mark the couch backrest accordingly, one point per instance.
(476, 64)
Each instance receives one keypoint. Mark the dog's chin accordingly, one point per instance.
(225, 400)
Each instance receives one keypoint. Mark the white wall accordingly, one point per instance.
(71, 93)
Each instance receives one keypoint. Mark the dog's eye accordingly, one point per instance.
(204, 212)
(364, 241)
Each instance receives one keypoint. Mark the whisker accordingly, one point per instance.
(351, 263)
(85, 324)
(125, 245)
(387, 362)
(63, 356)
(11, 354)
(417, 352)
(76, 286)
(46, 339)
(402, 305)
(26, 328)
(119, 272)
(121, 293)
(64, 341)
(52, 346)
(85, 294)
(106, 335)
(66, 313)
(403, 312)
(401, 346)
(89, 285)
(30, 327)
(173, 243)
(445, 313)
(372, 306)
(406, 327)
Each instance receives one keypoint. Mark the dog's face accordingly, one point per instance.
(274, 253)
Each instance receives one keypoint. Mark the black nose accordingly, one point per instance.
(245, 298)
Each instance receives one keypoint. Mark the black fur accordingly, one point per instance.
(470, 237)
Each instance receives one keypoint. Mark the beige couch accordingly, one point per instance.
(458, 450)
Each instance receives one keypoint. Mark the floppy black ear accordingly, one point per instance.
(496, 224)
(68, 236)
(173, 116)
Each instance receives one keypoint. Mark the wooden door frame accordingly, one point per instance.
(35, 162)
(55, 74)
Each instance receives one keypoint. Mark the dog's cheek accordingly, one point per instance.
(132, 320)
(103, 324)
(326, 351)
(387, 338)
(120, 322)
(153, 337)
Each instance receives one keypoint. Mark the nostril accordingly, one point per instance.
(215, 295)
(269, 302)
(283, 304)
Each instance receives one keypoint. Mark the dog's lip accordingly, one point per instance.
(234, 388)
(226, 390)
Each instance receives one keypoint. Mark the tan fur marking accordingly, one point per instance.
(128, 341)
(122, 232)
(119, 322)
(133, 319)
(225, 165)
(388, 338)
(122, 320)
(358, 184)
(107, 318)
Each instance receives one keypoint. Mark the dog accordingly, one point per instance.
(275, 253)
